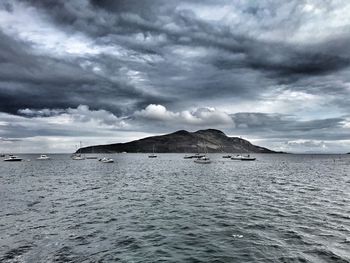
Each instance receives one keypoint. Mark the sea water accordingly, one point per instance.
(279, 208)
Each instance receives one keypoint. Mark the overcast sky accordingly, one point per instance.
(274, 72)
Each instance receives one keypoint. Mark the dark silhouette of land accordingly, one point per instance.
(182, 141)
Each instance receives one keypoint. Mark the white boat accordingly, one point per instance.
(13, 158)
(243, 158)
(248, 158)
(43, 157)
(77, 156)
(106, 160)
(92, 156)
(198, 155)
(237, 157)
(203, 159)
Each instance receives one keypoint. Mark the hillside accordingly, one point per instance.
(182, 141)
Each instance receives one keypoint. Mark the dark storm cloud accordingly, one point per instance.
(108, 18)
(30, 80)
(179, 54)
(231, 62)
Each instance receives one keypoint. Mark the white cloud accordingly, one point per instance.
(197, 117)
(82, 114)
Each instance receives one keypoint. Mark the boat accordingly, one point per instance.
(198, 155)
(237, 157)
(248, 158)
(187, 156)
(43, 157)
(77, 156)
(153, 155)
(203, 160)
(243, 158)
(91, 156)
(106, 160)
(13, 158)
(226, 156)
(2, 155)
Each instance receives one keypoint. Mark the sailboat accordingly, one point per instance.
(78, 156)
(153, 155)
(92, 152)
(203, 159)
(223, 151)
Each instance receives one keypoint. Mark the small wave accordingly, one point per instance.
(15, 253)
(327, 255)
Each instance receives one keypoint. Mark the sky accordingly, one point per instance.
(274, 72)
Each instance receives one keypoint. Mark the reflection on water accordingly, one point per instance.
(280, 208)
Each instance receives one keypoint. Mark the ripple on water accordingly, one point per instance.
(282, 208)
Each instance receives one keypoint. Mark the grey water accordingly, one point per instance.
(280, 208)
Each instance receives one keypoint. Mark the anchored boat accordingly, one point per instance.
(43, 157)
(203, 160)
(13, 158)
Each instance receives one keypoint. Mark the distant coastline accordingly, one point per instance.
(210, 140)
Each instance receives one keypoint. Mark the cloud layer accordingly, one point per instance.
(272, 71)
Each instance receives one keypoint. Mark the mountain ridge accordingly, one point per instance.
(182, 141)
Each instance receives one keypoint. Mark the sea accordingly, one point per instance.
(279, 208)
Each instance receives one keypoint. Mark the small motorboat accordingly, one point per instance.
(13, 158)
(78, 157)
(43, 157)
(243, 158)
(106, 160)
(203, 160)
(187, 156)
(226, 156)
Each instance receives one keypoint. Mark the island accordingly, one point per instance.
(209, 140)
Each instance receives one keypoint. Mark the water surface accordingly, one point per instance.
(280, 208)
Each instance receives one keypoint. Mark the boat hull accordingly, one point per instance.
(12, 160)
